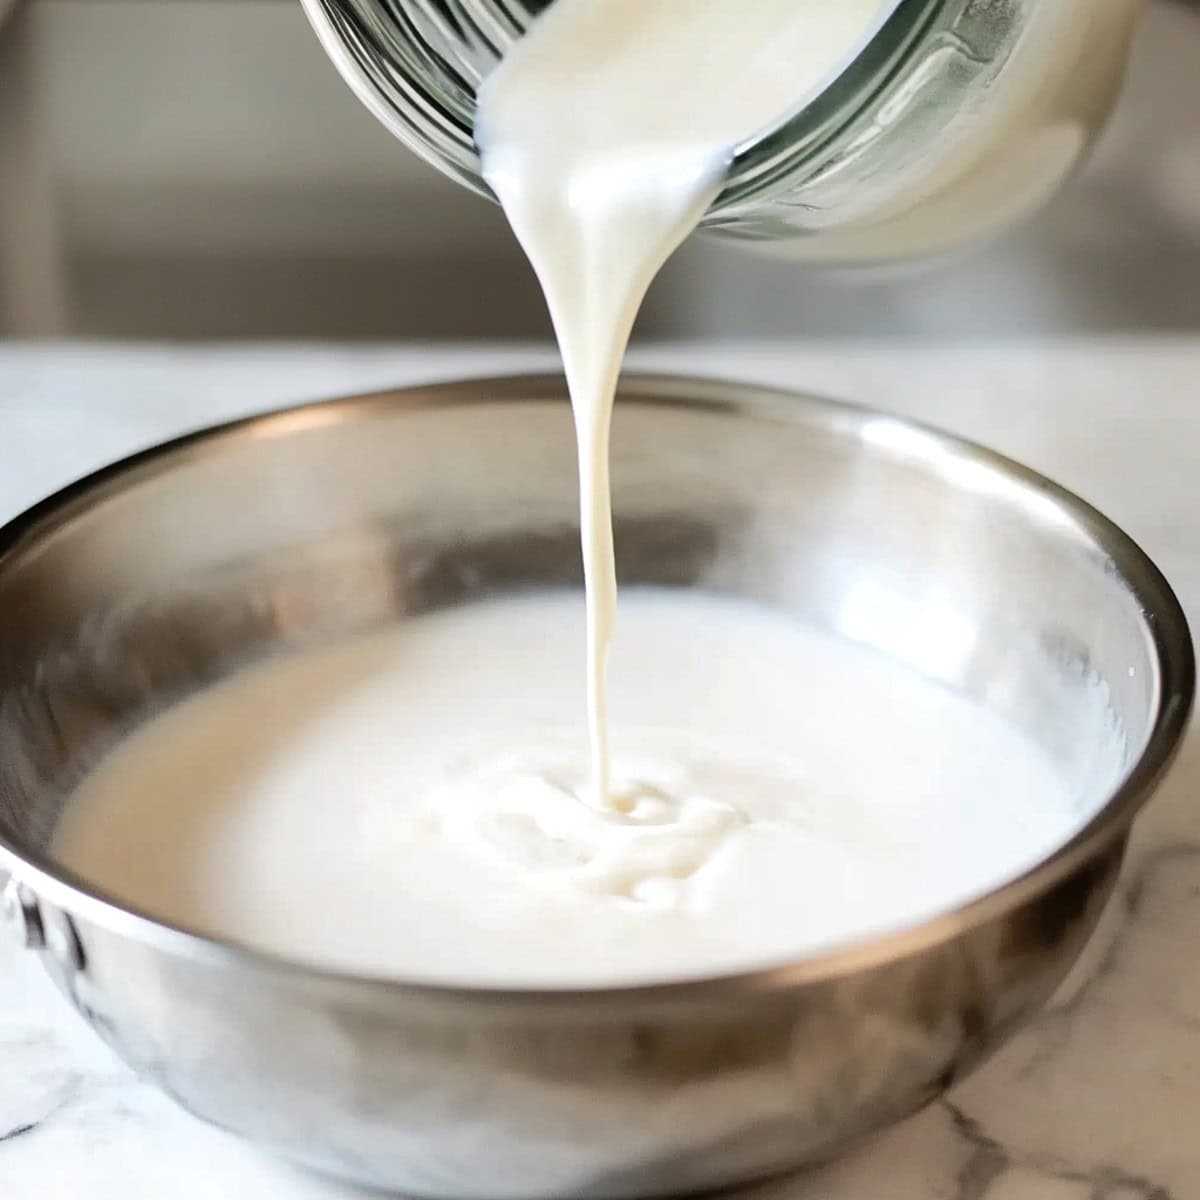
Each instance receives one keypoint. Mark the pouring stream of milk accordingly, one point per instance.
(606, 132)
(438, 796)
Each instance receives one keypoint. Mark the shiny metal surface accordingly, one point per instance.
(159, 575)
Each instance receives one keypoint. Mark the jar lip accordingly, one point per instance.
(895, 10)
(417, 107)
(830, 107)
(423, 112)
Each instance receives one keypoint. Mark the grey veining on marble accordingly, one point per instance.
(1099, 1100)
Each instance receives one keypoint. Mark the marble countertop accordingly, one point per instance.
(1098, 1100)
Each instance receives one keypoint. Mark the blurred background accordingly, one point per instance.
(194, 169)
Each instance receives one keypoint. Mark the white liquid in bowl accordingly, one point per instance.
(416, 803)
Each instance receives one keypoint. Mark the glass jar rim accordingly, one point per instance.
(818, 120)
(435, 120)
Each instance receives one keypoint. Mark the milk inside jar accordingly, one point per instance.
(732, 789)
(947, 121)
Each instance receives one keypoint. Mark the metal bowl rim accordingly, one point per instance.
(1162, 613)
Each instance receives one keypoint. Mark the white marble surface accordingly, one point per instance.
(1099, 1100)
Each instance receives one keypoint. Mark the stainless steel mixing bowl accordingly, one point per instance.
(160, 575)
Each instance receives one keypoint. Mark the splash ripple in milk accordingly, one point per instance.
(397, 806)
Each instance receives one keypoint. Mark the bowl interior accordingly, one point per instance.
(157, 577)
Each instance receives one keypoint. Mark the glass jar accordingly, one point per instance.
(955, 119)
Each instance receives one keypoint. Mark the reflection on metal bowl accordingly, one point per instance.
(157, 576)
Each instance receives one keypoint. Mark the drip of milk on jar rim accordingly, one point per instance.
(607, 132)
